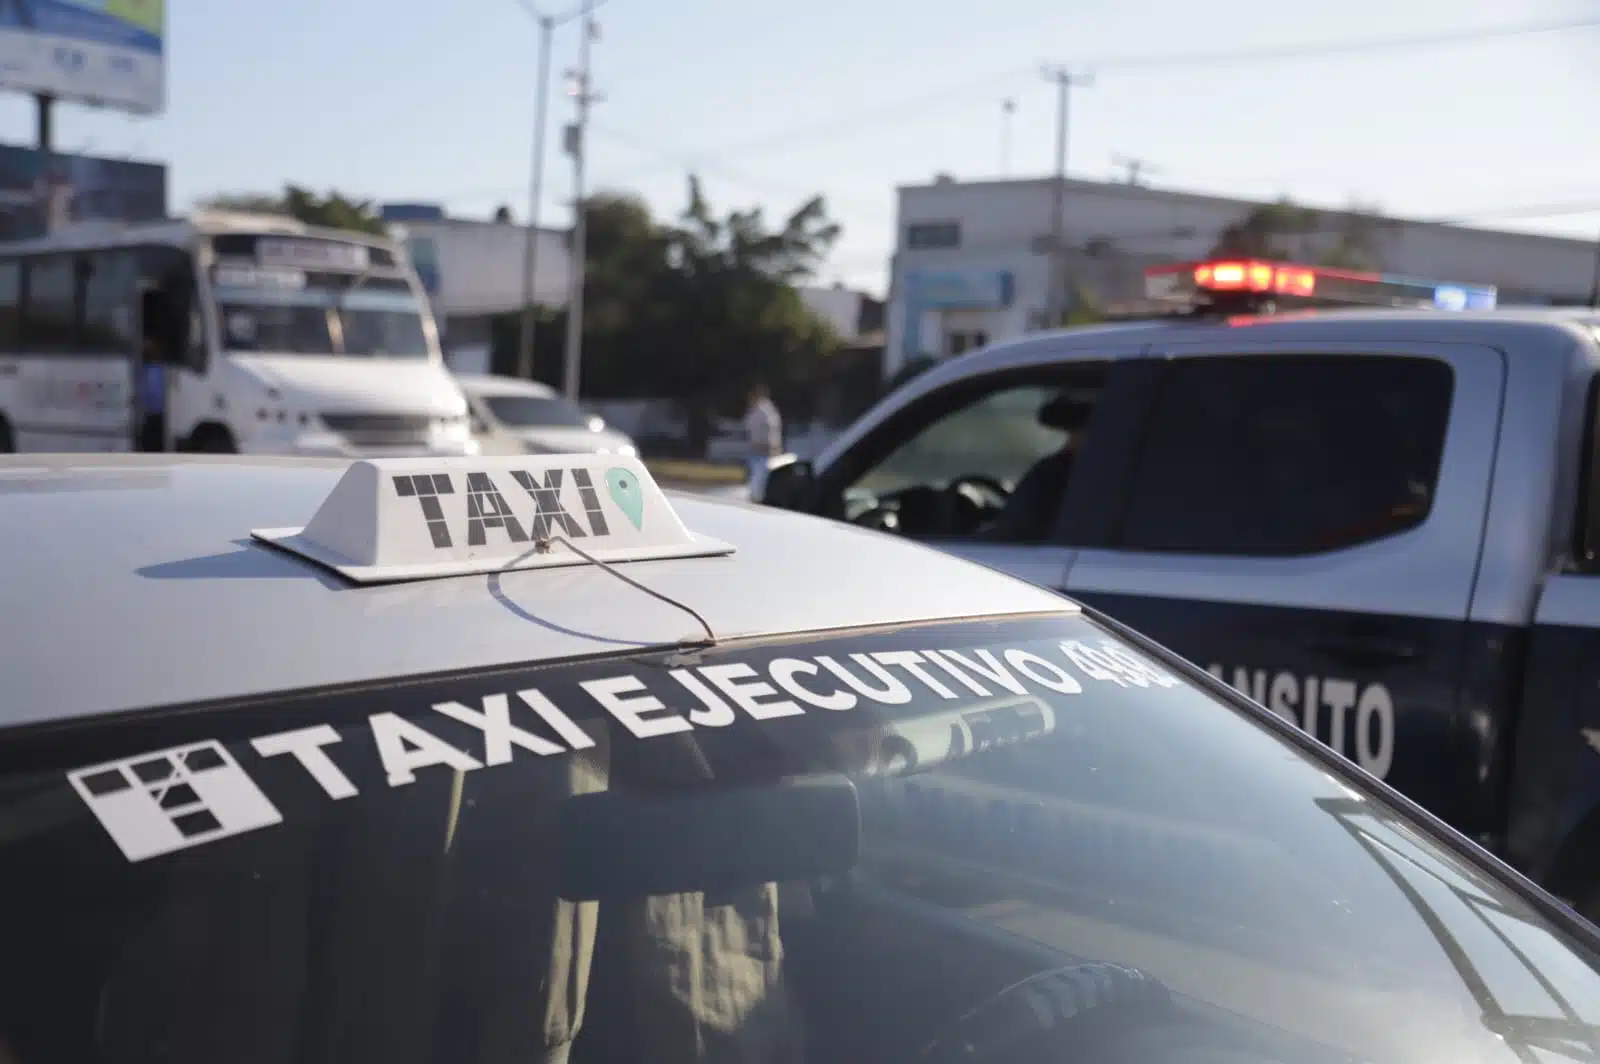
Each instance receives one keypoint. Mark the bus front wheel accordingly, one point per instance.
(212, 439)
(8, 443)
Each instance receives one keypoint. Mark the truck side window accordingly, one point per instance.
(1288, 455)
(992, 464)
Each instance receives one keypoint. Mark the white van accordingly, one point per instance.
(266, 337)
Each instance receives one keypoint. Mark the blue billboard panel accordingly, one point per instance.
(107, 52)
(96, 189)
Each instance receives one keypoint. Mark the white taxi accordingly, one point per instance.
(503, 760)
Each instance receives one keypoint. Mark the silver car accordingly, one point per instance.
(510, 415)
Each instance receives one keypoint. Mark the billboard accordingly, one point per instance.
(106, 52)
(75, 188)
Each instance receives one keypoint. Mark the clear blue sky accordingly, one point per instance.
(399, 99)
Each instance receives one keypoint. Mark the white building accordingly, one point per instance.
(971, 266)
(474, 270)
(852, 313)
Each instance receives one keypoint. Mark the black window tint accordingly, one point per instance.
(10, 305)
(108, 281)
(50, 314)
(1289, 455)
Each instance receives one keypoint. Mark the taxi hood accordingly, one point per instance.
(319, 383)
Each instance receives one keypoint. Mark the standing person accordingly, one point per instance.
(763, 429)
(153, 396)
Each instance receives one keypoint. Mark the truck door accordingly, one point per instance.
(1306, 522)
(1554, 805)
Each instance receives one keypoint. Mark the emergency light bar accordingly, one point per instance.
(1252, 282)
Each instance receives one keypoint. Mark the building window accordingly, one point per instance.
(923, 236)
(109, 289)
(1280, 456)
(961, 342)
(50, 309)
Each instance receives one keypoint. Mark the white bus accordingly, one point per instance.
(266, 337)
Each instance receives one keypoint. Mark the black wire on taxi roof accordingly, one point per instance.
(542, 546)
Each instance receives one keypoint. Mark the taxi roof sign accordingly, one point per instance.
(397, 519)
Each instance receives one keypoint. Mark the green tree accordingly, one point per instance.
(1349, 239)
(694, 310)
(1270, 231)
(333, 211)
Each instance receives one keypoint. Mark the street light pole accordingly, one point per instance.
(530, 251)
(577, 144)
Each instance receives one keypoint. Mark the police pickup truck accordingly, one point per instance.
(1382, 524)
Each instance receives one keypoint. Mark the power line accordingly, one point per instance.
(1541, 210)
(691, 164)
(968, 91)
(1370, 45)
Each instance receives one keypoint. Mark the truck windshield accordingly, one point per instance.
(299, 312)
(1013, 840)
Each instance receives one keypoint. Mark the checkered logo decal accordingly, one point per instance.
(173, 799)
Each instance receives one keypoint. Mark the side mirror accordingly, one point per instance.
(788, 483)
(617, 845)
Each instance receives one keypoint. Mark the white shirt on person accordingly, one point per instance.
(763, 427)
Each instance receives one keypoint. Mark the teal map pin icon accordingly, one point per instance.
(623, 486)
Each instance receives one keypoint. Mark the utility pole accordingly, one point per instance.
(530, 252)
(577, 135)
(1008, 107)
(1064, 80)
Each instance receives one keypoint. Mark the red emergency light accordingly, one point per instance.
(1261, 283)
(1237, 275)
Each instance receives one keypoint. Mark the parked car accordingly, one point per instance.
(514, 416)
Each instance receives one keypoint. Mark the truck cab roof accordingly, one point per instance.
(134, 582)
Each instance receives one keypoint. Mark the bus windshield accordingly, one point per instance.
(1005, 841)
(305, 312)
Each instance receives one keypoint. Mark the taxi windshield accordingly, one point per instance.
(1016, 840)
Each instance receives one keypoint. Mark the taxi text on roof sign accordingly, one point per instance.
(416, 518)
